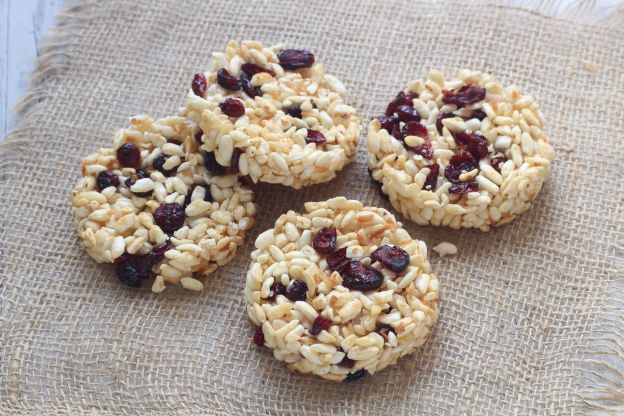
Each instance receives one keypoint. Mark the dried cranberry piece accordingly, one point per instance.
(297, 290)
(432, 177)
(236, 154)
(356, 375)
(320, 323)
(127, 273)
(337, 260)
(325, 240)
(346, 362)
(169, 217)
(276, 289)
(161, 249)
(232, 107)
(461, 162)
(252, 69)
(227, 81)
(497, 161)
(139, 174)
(475, 143)
(441, 116)
(402, 98)
(479, 115)
(359, 276)
(105, 179)
(392, 257)
(414, 128)
(158, 165)
(463, 187)
(210, 161)
(129, 155)
(198, 136)
(293, 111)
(295, 58)
(396, 132)
(388, 123)
(466, 95)
(248, 87)
(315, 136)
(407, 113)
(258, 337)
(199, 84)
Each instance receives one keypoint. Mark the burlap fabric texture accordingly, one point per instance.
(531, 322)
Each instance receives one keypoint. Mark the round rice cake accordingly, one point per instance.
(341, 290)
(463, 152)
(149, 205)
(273, 114)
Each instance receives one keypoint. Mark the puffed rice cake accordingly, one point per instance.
(150, 206)
(461, 152)
(273, 114)
(340, 290)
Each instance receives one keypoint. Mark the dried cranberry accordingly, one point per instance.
(320, 323)
(396, 132)
(337, 260)
(140, 174)
(466, 95)
(251, 90)
(297, 290)
(295, 58)
(315, 136)
(388, 123)
(441, 116)
(252, 69)
(227, 81)
(356, 376)
(199, 84)
(325, 240)
(392, 257)
(105, 179)
(169, 217)
(232, 107)
(384, 331)
(407, 113)
(129, 155)
(127, 273)
(478, 114)
(461, 162)
(432, 177)
(276, 289)
(236, 154)
(161, 249)
(497, 161)
(346, 362)
(293, 111)
(478, 146)
(210, 161)
(359, 276)
(158, 165)
(463, 187)
(402, 98)
(414, 128)
(258, 336)
(198, 136)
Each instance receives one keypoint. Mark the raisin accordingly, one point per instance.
(315, 136)
(466, 95)
(236, 154)
(227, 81)
(199, 84)
(297, 290)
(392, 257)
(432, 177)
(295, 58)
(207, 195)
(129, 155)
(276, 289)
(232, 107)
(127, 273)
(293, 111)
(258, 336)
(407, 113)
(169, 217)
(252, 69)
(251, 90)
(325, 240)
(441, 116)
(105, 179)
(356, 375)
(337, 260)
(210, 161)
(158, 165)
(461, 162)
(346, 362)
(140, 174)
(388, 123)
(359, 276)
(320, 323)
(463, 187)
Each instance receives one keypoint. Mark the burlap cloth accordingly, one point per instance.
(531, 322)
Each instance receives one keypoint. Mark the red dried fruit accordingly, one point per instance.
(276, 289)
(396, 132)
(248, 87)
(139, 174)
(207, 195)
(251, 69)
(325, 240)
(297, 290)
(402, 98)
(158, 165)
(359, 276)
(258, 337)
(497, 161)
(346, 362)
(463, 187)
(295, 58)
(315, 136)
(169, 217)
(105, 179)
(293, 111)
(131, 268)
(407, 113)
(337, 260)
(388, 123)
(441, 116)
(236, 154)
(432, 177)
(198, 136)
(227, 81)
(210, 161)
(161, 250)
(129, 155)
(479, 115)
(414, 128)
(199, 84)
(127, 273)
(475, 143)
(392, 257)
(466, 95)
(232, 107)
(461, 162)
(356, 375)
(320, 324)
(384, 331)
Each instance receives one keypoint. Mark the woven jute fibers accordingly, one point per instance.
(523, 307)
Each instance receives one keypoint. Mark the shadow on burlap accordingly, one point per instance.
(529, 321)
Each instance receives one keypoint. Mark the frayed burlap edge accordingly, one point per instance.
(600, 379)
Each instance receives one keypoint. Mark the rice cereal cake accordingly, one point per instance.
(340, 290)
(273, 114)
(461, 152)
(149, 206)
